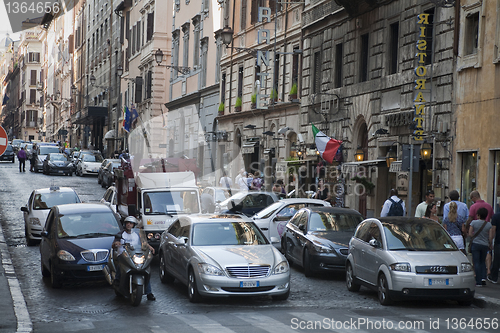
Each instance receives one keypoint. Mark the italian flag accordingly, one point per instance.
(326, 146)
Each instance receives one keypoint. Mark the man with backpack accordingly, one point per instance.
(393, 206)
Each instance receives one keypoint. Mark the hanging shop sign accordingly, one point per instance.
(421, 75)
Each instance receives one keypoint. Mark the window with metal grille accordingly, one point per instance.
(317, 73)
(393, 47)
(363, 59)
(339, 56)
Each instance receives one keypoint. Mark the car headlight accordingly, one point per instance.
(281, 268)
(34, 221)
(50, 163)
(138, 259)
(65, 255)
(84, 166)
(322, 249)
(70, 165)
(466, 267)
(401, 267)
(210, 270)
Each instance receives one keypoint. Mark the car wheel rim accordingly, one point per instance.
(191, 285)
(162, 267)
(349, 276)
(382, 288)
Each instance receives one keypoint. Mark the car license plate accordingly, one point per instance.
(249, 284)
(60, 171)
(93, 268)
(439, 282)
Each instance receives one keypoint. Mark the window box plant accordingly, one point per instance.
(221, 109)
(237, 106)
(293, 92)
(274, 96)
(367, 184)
(254, 101)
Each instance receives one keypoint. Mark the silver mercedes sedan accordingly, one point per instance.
(408, 258)
(222, 255)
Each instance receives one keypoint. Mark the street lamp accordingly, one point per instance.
(425, 151)
(159, 59)
(360, 155)
(390, 157)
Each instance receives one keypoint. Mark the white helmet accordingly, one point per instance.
(132, 220)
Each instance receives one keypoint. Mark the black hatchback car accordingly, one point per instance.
(317, 238)
(58, 163)
(76, 241)
(8, 154)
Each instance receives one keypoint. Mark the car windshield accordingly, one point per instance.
(418, 236)
(227, 233)
(92, 158)
(9, 148)
(58, 157)
(45, 150)
(17, 142)
(268, 211)
(171, 202)
(334, 222)
(87, 225)
(47, 200)
(115, 165)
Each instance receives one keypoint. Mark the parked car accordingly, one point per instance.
(37, 208)
(42, 151)
(247, 203)
(408, 258)
(76, 241)
(219, 194)
(89, 164)
(109, 198)
(79, 156)
(103, 165)
(273, 219)
(16, 144)
(108, 173)
(220, 256)
(317, 238)
(8, 154)
(57, 163)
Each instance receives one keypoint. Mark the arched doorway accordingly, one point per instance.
(362, 144)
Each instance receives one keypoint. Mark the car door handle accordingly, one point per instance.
(264, 228)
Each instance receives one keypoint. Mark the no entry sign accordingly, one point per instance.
(3, 140)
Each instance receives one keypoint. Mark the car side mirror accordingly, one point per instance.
(302, 227)
(44, 234)
(375, 243)
(24, 209)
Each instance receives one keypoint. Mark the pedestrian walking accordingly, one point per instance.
(257, 181)
(21, 156)
(431, 212)
(494, 242)
(429, 198)
(322, 193)
(33, 156)
(479, 232)
(225, 181)
(453, 223)
(462, 209)
(393, 206)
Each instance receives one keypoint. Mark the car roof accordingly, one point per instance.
(213, 218)
(303, 200)
(402, 220)
(333, 210)
(77, 208)
(60, 189)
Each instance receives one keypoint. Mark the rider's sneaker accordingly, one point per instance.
(151, 297)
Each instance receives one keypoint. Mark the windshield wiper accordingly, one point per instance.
(403, 249)
(94, 234)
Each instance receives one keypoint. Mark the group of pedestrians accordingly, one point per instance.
(23, 155)
(245, 181)
(478, 222)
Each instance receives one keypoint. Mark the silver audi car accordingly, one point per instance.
(222, 255)
(408, 258)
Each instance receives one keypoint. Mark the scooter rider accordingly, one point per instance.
(133, 239)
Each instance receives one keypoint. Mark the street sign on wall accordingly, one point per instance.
(3, 140)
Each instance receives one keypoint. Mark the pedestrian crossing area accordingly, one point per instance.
(287, 321)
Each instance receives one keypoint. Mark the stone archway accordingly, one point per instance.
(361, 142)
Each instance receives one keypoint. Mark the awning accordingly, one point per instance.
(248, 147)
(110, 135)
(353, 167)
(396, 166)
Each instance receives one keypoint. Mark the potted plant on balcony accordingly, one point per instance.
(293, 92)
(254, 101)
(274, 96)
(237, 106)
(221, 109)
(367, 184)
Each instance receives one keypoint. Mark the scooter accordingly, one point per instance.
(135, 271)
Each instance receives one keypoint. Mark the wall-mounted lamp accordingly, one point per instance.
(159, 59)
(360, 155)
(390, 157)
(425, 151)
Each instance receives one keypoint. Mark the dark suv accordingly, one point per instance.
(8, 155)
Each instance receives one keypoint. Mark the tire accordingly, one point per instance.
(13, 160)
(55, 281)
(284, 249)
(99, 179)
(136, 296)
(307, 264)
(29, 241)
(383, 290)
(165, 277)
(193, 294)
(283, 297)
(45, 271)
(350, 279)
(465, 303)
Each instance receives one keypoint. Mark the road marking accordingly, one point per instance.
(265, 323)
(203, 324)
(24, 323)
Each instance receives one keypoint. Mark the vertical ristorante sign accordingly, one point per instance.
(421, 74)
(263, 38)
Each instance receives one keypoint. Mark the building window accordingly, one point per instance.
(254, 11)
(240, 82)
(185, 41)
(469, 176)
(339, 56)
(317, 73)
(429, 33)
(276, 72)
(32, 96)
(204, 61)
(149, 84)
(34, 57)
(363, 59)
(393, 47)
(151, 17)
(175, 50)
(33, 78)
(471, 33)
(243, 15)
(295, 66)
(196, 41)
(223, 88)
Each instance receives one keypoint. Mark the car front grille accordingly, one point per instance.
(344, 251)
(247, 290)
(436, 269)
(96, 255)
(250, 271)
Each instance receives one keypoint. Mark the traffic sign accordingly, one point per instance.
(3, 140)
